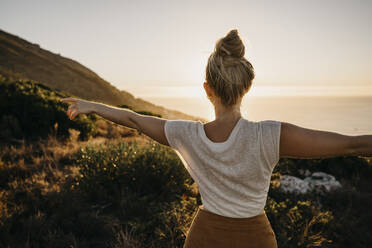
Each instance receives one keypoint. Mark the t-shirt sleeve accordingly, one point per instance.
(270, 142)
(174, 131)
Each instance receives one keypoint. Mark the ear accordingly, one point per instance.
(205, 85)
(207, 88)
(209, 91)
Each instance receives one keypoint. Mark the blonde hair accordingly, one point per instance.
(228, 73)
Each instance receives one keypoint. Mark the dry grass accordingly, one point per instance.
(34, 175)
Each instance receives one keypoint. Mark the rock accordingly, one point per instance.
(291, 184)
(323, 182)
(319, 181)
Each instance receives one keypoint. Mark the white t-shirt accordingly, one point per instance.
(233, 176)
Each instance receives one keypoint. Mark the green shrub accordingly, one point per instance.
(345, 167)
(139, 183)
(31, 110)
(144, 170)
(298, 223)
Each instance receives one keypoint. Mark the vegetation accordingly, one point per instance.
(31, 110)
(340, 219)
(60, 195)
(136, 193)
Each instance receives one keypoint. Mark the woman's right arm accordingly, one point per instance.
(298, 142)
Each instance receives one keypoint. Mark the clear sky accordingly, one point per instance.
(149, 47)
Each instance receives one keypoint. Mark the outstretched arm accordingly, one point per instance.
(298, 142)
(149, 125)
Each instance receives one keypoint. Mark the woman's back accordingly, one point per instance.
(233, 176)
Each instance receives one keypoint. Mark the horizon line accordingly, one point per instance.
(191, 91)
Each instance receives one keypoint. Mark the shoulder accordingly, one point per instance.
(179, 131)
(262, 125)
(263, 129)
(269, 125)
(181, 123)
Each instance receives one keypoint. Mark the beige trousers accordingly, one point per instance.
(211, 230)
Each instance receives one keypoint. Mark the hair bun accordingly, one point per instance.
(230, 45)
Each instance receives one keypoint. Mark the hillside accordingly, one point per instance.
(20, 59)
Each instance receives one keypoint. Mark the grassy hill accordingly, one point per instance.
(126, 192)
(20, 59)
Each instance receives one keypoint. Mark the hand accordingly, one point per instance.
(78, 106)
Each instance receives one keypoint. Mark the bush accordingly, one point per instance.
(143, 170)
(345, 167)
(298, 223)
(31, 110)
(139, 183)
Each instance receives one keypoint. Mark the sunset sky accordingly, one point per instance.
(160, 48)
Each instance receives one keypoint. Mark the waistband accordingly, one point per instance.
(209, 218)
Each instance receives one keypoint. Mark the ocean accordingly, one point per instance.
(349, 115)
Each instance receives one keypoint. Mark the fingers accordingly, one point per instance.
(69, 110)
(71, 115)
(71, 107)
(72, 111)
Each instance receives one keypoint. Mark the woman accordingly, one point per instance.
(230, 158)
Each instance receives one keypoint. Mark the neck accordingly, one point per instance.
(223, 113)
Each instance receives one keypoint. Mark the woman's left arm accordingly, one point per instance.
(149, 125)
